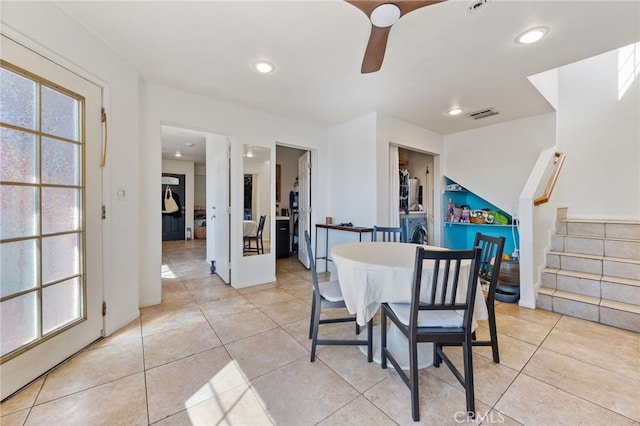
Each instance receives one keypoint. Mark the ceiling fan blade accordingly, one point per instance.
(366, 6)
(374, 55)
(407, 6)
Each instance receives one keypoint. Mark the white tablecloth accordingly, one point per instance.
(249, 228)
(371, 273)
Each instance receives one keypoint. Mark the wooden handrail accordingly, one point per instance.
(557, 165)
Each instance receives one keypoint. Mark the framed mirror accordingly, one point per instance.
(256, 167)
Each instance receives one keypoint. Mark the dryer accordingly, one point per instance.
(416, 226)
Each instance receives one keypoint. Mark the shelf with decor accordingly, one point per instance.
(465, 213)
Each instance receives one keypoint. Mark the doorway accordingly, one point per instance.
(416, 194)
(173, 223)
(197, 162)
(293, 196)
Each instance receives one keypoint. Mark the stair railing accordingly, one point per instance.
(557, 165)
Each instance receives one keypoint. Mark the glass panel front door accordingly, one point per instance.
(41, 197)
(50, 215)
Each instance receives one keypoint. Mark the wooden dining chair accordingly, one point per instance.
(442, 316)
(259, 249)
(391, 233)
(329, 295)
(490, 261)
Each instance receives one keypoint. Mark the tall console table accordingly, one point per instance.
(357, 229)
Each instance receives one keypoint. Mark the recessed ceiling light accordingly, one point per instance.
(177, 154)
(263, 67)
(455, 111)
(189, 144)
(532, 35)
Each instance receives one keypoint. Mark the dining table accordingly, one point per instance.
(372, 273)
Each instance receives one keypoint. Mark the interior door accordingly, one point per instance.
(304, 204)
(173, 224)
(51, 221)
(218, 205)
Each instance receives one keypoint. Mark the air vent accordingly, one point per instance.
(483, 113)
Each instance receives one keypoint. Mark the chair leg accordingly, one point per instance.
(493, 333)
(413, 367)
(313, 312)
(383, 339)
(467, 347)
(314, 337)
(436, 357)
(370, 340)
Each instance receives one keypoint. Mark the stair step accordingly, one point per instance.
(594, 264)
(597, 246)
(604, 311)
(624, 229)
(607, 287)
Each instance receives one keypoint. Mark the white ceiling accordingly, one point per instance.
(437, 57)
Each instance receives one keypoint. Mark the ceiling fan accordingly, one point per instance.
(383, 14)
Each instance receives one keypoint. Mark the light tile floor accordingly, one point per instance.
(210, 355)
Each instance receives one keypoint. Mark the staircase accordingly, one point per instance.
(593, 272)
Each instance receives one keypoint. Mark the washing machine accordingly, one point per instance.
(416, 226)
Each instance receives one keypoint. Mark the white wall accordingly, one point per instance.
(187, 169)
(494, 162)
(162, 105)
(601, 138)
(352, 172)
(42, 27)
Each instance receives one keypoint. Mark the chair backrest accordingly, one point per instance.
(396, 234)
(312, 263)
(490, 260)
(447, 290)
(261, 225)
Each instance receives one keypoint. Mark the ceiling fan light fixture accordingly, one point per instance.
(455, 111)
(532, 35)
(385, 15)
(263, 67)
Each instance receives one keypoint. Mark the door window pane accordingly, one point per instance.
(60, 210)
(18, 266)
(41, 194)
(59, 114)
(60, 162)
(22, 313)
(17, 99)
(18, 156)
(60, 304)
(60, 257)
(19, 211)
